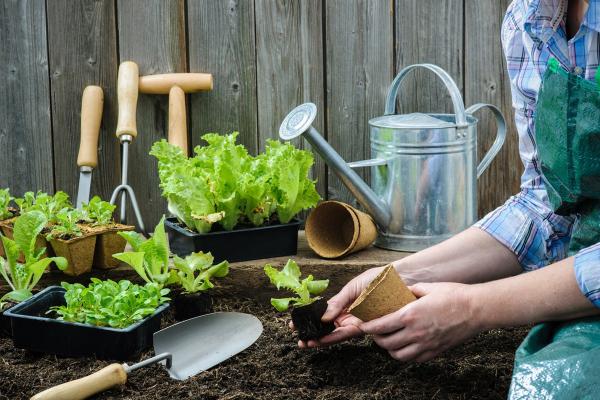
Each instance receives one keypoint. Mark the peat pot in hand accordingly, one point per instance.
(423, 169)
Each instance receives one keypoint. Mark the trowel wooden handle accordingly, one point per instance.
(177, 119)
(127, 93)
(188, 82)
(83, 388)
(91, 115)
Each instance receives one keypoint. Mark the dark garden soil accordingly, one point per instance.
(274, 368)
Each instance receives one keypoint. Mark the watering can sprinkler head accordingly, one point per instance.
(299, 122)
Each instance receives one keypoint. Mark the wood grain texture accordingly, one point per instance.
(25, 125)
(151, 34)
(360, 68)
(487, 81)
(429, 32)
(222, 43)
(290, 68)
(82, 49)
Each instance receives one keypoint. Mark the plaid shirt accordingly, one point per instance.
(533, 31)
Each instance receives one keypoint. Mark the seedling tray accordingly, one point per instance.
(236, 245)
(33, 331)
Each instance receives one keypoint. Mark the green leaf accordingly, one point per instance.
(136, 260)
(316, 287)
(282, 304)
(17, 295)
(288, 278)
(36, 270)
(27, 227)
(133, 238)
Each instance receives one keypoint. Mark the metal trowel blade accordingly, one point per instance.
(200, 343)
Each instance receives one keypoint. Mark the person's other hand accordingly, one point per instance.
(346, 324)
(441, 318)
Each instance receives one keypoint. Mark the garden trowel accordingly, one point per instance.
(186, 349)
(92, 103)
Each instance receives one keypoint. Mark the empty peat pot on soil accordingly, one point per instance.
(109, 242)
(236, 245)
(190, 305)
(34, 331)
(307, 320)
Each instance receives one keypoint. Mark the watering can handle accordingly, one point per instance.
(459, 107)
(500, 136)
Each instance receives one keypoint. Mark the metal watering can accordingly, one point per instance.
(423, 167)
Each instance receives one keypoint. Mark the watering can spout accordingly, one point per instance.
(299, 122)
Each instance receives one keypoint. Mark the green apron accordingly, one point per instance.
(561, 360)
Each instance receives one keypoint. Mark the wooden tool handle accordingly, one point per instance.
(83, 388)
(188, 82)
(127, 92)
(91, 115)
(177, 119)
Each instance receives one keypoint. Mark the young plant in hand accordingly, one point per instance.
(307, 311)
(22, 278)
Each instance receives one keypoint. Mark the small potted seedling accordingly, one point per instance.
(150, 259)
(69, 241)
(5, 212)
(108, 242)
(307, 311)
(104, 320)
(22, 278)
(47, 205)
(194, 274)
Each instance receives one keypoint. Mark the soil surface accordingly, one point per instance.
(274, 368)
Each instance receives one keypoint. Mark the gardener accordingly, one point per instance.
(552, 49)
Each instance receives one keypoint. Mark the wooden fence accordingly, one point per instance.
(266, 57)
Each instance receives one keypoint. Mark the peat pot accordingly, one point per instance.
(423, 169)
(33, 330)
(236, 245)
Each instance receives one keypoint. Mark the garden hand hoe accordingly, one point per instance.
(186, 348)
(127, 93)
(92, 103)
(176, 85)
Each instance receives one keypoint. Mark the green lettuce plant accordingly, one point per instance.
(195, 271)
(150, 259)
(289, 278)
(98, 212)
(108, 303)
(66, 224)
(5, 199)
(224, 184)
(48, 205)
(22, 278)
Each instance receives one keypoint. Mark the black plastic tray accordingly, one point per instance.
(33, 331)
(236, 245)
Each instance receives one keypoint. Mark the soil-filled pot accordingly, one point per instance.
(190, 305)
(40, 241)
(237, 245)
(307, 320)
(32, 330)
(109, 242)
(78, 251)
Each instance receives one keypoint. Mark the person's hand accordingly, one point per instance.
(442, 317)
(346, 324)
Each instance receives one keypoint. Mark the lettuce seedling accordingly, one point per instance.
(5, 199)
(196, 269)
(150, 259)
(99, 212)
(66, 224)
(23, 277)
(111, 304)
(48, 205)
(289, 278)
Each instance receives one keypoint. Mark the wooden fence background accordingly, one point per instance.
(266, 57)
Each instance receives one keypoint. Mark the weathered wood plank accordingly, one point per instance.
(360, 67)
(82, 48)
(25, 125)
(487, 81)
(429, 32)
(222, 43)
(151, 34)
(290, 68)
